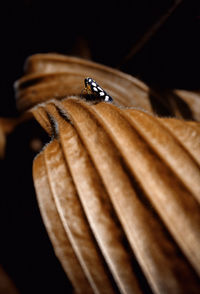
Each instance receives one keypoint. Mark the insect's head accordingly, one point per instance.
(88, 84)
(88, 81)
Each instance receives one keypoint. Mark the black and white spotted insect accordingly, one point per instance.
(94, 90)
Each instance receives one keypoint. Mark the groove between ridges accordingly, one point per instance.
(142, 224)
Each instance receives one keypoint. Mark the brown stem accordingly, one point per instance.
(149, 33)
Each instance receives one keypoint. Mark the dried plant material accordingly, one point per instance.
(56, 76)
(56, 231)
(124, 188)
(6, 126)
(36, 144)
(2, 143)
(49, 76)
(6, 284)
(150, 32)
(93, 195)
(192, 99)
(118, 188)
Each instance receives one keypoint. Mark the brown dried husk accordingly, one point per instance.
(118, 187)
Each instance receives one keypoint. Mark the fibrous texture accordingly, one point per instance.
(118, 187)
(119, 193)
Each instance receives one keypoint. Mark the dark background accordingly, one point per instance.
(170, 59)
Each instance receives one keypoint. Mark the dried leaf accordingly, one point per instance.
(56, 76)
(192, 99)
(50, 76)
(59, 238)
(117, 187)
(125, 186)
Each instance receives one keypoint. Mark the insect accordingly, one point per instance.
(93, 89)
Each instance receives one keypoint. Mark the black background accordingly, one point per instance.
(169, 60)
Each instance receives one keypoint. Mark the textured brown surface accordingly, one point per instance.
(128, 184)
(50, 76)
(118, 187)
